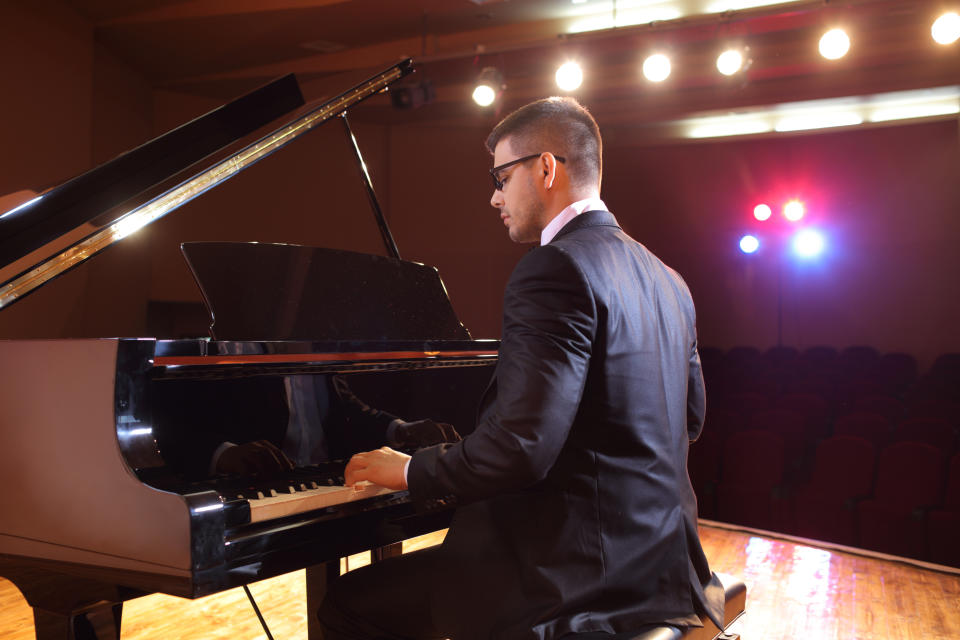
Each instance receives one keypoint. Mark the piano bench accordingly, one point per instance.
(735, 592)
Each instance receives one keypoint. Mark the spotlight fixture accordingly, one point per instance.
(413, 95)
(731, 61)
(569, 76)
(656, 68)
(489, 86)
(749, 244)
(946, 30)
(808, 243)
(762, 212)
(834, 44)
(794, 210)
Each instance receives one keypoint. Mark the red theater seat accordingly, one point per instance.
(746, 403)
(887, 406)
(750, 485)
(812, 406)
(791, 426)
(824, 508)
(936, 432)
(703, 466)
(910, 478)
(943, 524)
(872, 427)
(897, 371)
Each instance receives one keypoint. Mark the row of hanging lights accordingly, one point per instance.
(834, 45)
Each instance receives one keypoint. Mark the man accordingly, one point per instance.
(575, 510)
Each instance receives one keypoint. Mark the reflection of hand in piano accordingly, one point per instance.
(258, 457)
(422, 433)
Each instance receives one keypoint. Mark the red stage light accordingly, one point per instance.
(794, 210)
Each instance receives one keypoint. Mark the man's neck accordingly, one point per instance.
(567, 214)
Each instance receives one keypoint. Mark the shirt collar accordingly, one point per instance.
(568, 214)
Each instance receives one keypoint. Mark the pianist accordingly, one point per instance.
(575, 512)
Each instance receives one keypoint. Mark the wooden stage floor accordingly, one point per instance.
(795, 589)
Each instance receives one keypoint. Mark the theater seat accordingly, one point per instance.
(736, 601)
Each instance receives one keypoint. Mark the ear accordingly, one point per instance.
(548, 164)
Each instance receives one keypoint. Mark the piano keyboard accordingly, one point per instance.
(277, 505)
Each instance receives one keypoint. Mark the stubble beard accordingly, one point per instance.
(528, 229)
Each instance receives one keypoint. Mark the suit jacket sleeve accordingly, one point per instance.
(549, 324)
(696, 398)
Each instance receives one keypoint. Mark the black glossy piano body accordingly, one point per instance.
(101, 513)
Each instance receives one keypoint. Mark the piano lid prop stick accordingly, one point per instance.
(253, 602)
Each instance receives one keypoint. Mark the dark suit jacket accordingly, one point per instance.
(576, 512)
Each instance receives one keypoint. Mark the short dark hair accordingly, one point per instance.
(561, 126)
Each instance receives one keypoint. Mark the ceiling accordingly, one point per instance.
(221, 49)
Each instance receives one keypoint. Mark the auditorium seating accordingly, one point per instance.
(814, 409)
(752, 479)
(872, 427)
(791, 427)
(745, 403)
(825, 507)
(910, 479)
(943, 523)
(856, 392)
(897, 372)
(887, 406)
(703, 465)
(936, 432)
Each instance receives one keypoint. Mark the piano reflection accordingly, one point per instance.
(115, 445)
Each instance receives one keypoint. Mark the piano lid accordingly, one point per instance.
(65, 226)
(257, 291)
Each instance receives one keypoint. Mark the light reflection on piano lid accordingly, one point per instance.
(137, 441)
(144, 214)
(210, 507)
(21, 207)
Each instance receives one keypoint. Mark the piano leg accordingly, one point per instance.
(99, 623)
(319, 577)
(386, 551)
(65, 606)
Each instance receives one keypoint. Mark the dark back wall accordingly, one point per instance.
(887, 199)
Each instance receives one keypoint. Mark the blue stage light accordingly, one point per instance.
(749, 244)
(808, 243)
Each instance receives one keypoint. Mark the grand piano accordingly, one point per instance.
(104, 500)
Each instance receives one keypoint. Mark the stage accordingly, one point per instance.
(795, 589)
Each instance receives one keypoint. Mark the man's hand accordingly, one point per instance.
(383, 467)
(260, 457)
(423, 433)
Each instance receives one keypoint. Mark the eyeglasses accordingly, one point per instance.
(498, 183)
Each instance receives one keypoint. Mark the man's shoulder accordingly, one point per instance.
(598, 220)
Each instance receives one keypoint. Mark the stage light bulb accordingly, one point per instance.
(484, 95)
(808, 243)
(656, 68)
(729, 62)
(834, 44)
(762, 212)
(946, 30)
(569, 76)
(749, 244)
(794, 210)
